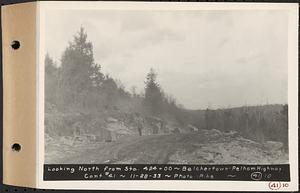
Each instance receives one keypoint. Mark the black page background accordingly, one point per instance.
(6, 188)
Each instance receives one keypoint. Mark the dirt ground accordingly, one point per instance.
(181, 148)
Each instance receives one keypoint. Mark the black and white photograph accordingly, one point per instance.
(166, 86)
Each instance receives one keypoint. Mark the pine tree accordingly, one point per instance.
(110, 90)
(80, 75)
(284, 126)
(227, 120)
(51, 81)
(207, 119)
(153, 93)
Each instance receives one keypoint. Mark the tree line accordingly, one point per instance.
(78, 85)
(260, 123)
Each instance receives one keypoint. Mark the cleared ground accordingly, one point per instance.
(181, 148)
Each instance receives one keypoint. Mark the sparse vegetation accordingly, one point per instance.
(81, 101)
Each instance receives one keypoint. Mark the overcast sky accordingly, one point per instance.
(220, 58)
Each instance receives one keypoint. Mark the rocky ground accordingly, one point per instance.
(203, 147)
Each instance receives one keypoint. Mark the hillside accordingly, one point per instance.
(91, 117)
(258, 123)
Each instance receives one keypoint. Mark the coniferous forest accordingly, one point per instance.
(98, 120)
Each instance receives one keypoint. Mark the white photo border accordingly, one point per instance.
(172, 185)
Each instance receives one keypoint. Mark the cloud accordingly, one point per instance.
(249, 58)
(157, 36)
(131, 22)
(221, 57)
(223, 42)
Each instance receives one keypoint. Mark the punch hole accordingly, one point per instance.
(16, 147)
(15, 44)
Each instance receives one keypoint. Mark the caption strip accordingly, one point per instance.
(166, 172)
